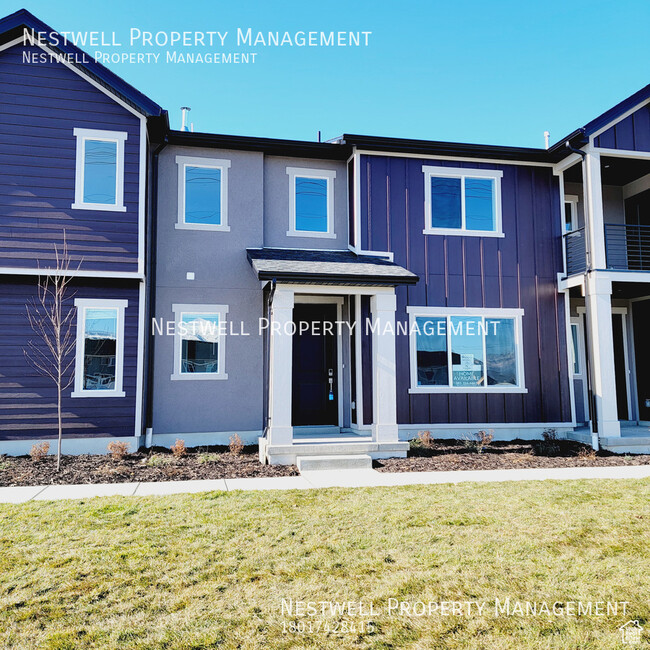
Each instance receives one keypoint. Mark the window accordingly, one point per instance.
(199, 342)
(462, 201)
(99, 176)
(570, 213)
(466, 350)
(311, 202)
(202, 193)
(99, 359)
(575, 350)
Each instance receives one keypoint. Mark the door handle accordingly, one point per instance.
(330, 395)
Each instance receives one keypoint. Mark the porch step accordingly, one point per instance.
(312, 463)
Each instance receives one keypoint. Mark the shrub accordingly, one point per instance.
(587, 453)
(157, 460)
(236, 445)
(425, 438)
(208, 458)
(479, 440)
(178, 448)
(549, 445)
(118, 449)
(38, 452)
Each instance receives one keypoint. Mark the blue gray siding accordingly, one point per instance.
(28, 399)
(517, 271)
(41, 105)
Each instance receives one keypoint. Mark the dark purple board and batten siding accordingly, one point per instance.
(41, 105)
(631, 133)
(516, 271)
(28, 399)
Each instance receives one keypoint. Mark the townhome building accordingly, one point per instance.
(321, 300)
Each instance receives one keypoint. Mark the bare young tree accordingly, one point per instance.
(52, 320)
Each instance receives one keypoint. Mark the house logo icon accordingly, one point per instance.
(631, 633)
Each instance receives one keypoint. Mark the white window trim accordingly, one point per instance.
(572, 200)
(462, 173)
(119, 137)
(463, 312)
(181, 309)
(207, 163)
(82, 304)
(322, 174)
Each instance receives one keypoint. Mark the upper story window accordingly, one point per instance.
(199, 342)
(466, 350)
(99, 177)
(202, 193)
(311, 202)
(99, 359)
(460, 201)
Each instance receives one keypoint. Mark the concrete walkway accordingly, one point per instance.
(315, 479)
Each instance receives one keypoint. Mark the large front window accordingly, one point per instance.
(462, 201)
(100, 348)
(466, 350)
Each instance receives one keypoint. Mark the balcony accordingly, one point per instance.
(627, 248)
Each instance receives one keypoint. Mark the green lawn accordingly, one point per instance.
(211, 570)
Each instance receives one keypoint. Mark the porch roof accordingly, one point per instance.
(327, 267)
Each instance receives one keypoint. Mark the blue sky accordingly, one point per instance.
(468, 71)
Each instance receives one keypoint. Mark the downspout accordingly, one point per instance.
(267, 360)
(152, 240)
(590, 394)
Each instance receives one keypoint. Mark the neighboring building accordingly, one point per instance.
(507, 287)
(73, 160)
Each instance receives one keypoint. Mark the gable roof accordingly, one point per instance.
(580, 136)
(13, 26)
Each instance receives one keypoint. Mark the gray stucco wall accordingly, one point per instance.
(258, 215)
(223, 276)
(276, 204)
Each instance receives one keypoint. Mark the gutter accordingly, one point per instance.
(267, 357)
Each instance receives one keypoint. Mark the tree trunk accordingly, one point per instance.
(58, 407)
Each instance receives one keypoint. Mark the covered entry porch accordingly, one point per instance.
(330, 357)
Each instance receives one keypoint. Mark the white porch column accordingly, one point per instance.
(600, 339)
(280, 431)
(594, 215)
(384, 380)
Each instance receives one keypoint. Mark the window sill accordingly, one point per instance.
(198, 226)
(102, 207)
(307, 234)
(98, 393)
(429, 390)
(461, 233)
(198, 376)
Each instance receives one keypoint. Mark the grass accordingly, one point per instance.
(211, 570)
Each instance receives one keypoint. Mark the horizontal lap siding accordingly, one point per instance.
(631, 133)
(28, 399)
(517, 271)
(41, 105)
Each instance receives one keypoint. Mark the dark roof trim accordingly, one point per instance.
(431, 147)
(271, 146)
(323, 278)
(13, 26)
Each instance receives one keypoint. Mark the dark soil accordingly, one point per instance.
(156, 464)
(448, 455)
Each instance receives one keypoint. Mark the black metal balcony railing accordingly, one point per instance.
(627, 248)
(576, 258)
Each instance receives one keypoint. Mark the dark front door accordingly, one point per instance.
(315, 382)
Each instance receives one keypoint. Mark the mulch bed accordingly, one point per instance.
(156, 464)
(448, 455)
